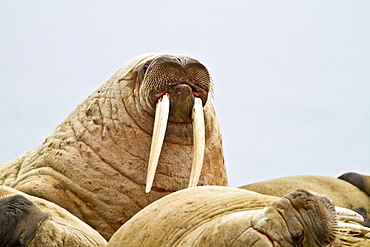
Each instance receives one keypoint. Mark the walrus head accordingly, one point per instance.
(183, 79)
(174, 89)
(313, 212)
(313, 220)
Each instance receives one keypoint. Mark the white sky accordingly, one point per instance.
(292, 78)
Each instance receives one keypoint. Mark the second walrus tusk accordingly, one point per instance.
(349, 231)
(198, 142)
(345, 214)
(352, 231)
(159, 130)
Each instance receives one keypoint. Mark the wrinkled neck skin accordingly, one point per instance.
(94, 163)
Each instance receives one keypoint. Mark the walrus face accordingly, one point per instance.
(308, 220)
(176, 88)
(181, 78)
(314, 212)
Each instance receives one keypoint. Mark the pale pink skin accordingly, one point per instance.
(94, 164)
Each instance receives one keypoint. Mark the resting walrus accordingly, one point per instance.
(95, 164)
(342, 193)
(33, 222)
(223, 216)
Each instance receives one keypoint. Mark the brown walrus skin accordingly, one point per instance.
(94, 163)
(361, 181)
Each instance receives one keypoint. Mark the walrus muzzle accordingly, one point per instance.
(179, 89)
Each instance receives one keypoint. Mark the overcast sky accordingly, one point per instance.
(292, 78)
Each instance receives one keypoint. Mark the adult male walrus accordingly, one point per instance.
(113, 155)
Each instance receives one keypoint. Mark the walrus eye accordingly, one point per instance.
(144, 68)
(298, 236)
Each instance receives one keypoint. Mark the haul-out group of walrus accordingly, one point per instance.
(140, 163)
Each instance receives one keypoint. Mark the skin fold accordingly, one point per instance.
(223, 216)
(95, 162)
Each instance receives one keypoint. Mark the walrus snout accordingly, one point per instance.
(166, 72)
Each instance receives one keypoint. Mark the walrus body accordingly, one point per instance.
(94, 163)
(361, 181)
(342, 193)
(223, 216)
(33, 222)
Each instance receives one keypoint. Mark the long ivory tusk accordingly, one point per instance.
(345, 214)
(199, 142)
(159, 130)
(353, 230)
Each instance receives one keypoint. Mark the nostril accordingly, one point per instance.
(181, 60)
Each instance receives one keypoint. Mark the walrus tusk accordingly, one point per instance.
(199, 142)
(352, 230)
(345, 214)
(159, 130)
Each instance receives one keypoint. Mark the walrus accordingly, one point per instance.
(224, 216)
(361, 181)
(342, 193)
(148, 131)
(33, 222)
